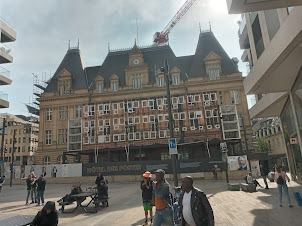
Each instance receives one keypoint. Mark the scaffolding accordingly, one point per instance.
(39, 85)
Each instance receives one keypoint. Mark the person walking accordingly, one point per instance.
(33, 190)
(44, 172)
(41, 182)
(147, 193)
(98, 179)
(28, 188)
(264, 172)
(195, 208)
(163, 201)
(48, 216)
(280, 178)
(54, 171)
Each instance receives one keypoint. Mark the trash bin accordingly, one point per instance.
(271, 176)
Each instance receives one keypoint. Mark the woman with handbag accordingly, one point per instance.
(280, 178)
(147, 193)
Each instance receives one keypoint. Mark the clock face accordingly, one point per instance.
(136, 61)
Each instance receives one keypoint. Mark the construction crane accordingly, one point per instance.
(160, 38)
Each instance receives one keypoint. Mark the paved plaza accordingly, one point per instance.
(230, 207)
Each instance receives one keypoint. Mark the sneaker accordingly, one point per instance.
(291, 205)
(280, 205)
(32, 202)
(266, 188)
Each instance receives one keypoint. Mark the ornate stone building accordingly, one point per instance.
(118, 110)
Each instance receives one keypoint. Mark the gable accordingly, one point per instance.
(64, 74)
(212, 57)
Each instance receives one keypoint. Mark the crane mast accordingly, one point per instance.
(162, 37)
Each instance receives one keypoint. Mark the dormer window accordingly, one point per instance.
(175, 80)
(114, 80)
(160, 82)
(100, 88)
(213, 71)
(114, 86)
(64, 82)
(137, 81)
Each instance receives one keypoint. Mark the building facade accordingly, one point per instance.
(7, 34)
(118, 111)
(26, 139)
(271, 37)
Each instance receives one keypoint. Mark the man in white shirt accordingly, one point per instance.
(195, 208)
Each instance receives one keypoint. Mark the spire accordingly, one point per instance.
(210, 26)
(108, 47)
(78, 43)
(69, 44)
(135, 41)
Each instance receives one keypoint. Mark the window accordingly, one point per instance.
(19, 140)
(46, 160)
(176, 80)
(62, 136)
(114, 86)
(48, 114)
(190, 100)
(151, 104)
(47, 136)
(220, 98)
(145, 103)
(235, 97)
(18, 149)
(60, 159)
(182, 116)
(91, 109)
(136, 120)
(24, 139)
(23, 149)
(137, 81)
(145, 118)
(209, 114)
(78, 111)
(151, 118)
(100, 88)
(64, 87)
(213, 72)
(160, 82)
(63, 113)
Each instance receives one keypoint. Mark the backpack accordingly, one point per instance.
(280, 180)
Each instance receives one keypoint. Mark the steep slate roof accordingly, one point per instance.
(72, 62)
(207, 42)
(116, 62)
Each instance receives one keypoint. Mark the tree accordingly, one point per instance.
(263, 145)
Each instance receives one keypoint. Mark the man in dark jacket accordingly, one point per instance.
(195, 208)
(48, 216)
(98, 180)
(264, 172)
(41, 182)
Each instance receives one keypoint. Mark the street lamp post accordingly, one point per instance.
(165, 69)
(12, 163)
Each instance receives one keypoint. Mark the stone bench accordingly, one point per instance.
(234, 187)
(248, 187)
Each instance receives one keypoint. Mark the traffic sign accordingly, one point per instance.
(172, 146)
(293, 140)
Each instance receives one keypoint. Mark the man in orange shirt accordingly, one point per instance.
(163, 200)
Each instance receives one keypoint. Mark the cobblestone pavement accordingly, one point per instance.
(230, 207)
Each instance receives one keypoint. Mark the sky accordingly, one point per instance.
(44, 29)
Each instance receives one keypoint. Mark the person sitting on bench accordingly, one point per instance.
(103, 193)
(68, 198)
(250, 180)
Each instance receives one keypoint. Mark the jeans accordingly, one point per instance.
(285, 188)
(33, 193)
(41, 196)
(28, 194)
(163, 217)
(176, 209)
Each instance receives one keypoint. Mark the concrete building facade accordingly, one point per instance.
(7, 34)
(271, 36)
(118, 111)
(26, 139)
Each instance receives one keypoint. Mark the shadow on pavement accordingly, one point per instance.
(140, 222)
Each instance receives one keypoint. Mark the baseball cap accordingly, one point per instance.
(160, 171)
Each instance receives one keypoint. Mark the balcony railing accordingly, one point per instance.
(4, 72)
(5, 49)
(3, 96)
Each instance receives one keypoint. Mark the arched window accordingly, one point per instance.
(46, 160)
(60, 159)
